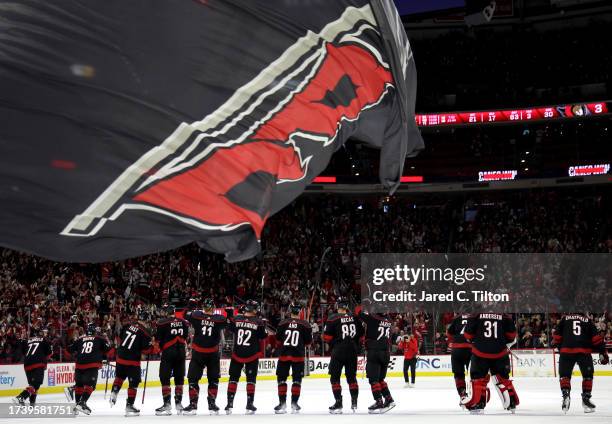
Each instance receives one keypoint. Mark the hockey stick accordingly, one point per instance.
(363, 373)
(508, 346)
(144, 389)
(514, 355)
(307, 362)
(107, 374)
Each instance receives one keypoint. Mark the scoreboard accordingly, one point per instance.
(411, 7)
(570, 111)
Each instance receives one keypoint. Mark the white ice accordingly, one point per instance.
(433, 400)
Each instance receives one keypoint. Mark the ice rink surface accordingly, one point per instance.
(433, 400)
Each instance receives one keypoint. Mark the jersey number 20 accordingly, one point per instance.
(292, 338)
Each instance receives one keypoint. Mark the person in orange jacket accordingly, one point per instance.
(410, 347)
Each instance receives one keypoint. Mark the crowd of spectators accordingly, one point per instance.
(64, 297)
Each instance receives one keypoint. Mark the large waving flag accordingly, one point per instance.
(131, 127)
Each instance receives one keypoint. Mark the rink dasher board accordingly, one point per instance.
(60, 375)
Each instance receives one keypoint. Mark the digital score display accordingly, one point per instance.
(411, 7)
(571, 111)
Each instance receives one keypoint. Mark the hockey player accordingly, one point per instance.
(491, 335)
(37, 352)
(461, 352)
(89, 351)
(292, 335)
(343, 332)
(378, 346)
(576, 337)
(249, 339)
(134, 341)
(207, 329)
(171, 335)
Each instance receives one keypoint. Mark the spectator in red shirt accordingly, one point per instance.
(410, 346)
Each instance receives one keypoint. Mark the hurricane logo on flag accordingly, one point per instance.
(220, 173)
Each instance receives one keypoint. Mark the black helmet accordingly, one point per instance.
(251, 306)
(91, 329)
(342, 303)
(143, 315)
(168, 309)
(192, 303)
(208, 303)
(295, 308)
(38, 328)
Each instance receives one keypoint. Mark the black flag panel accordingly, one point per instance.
(128, 127)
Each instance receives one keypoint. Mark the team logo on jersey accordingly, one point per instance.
(219, 173)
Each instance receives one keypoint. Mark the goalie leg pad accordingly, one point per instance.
(480, 394)
(506, 391)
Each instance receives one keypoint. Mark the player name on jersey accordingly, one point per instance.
(247, 324)
(491, 316)
(576, 317)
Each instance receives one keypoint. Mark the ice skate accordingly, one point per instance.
(165, 409)
(336, 408)
(190, 409)
(281, 408)
(83, 408)
(512, 407)
(588, 406)
(376, 407)
(565, 404)
(388, 405)
(295, 408)
(213, 409)
(477, 409)
(179, 407)
(19, 400)
(130, 411)
(250, 408)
